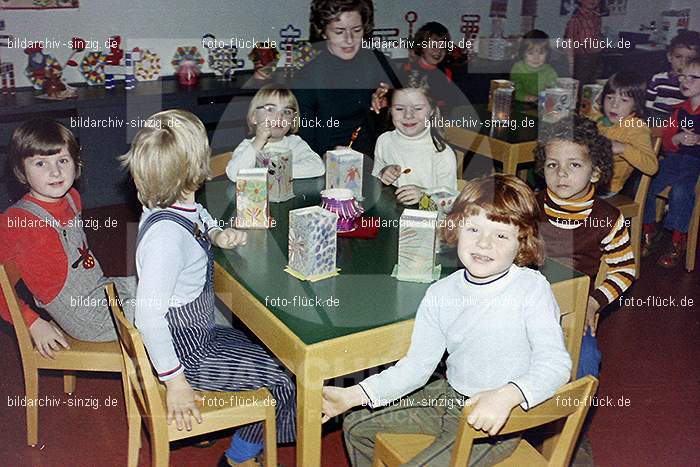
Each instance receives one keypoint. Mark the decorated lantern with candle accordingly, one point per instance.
(312, 243)
(417, 247)
(279, 171)
(251, 199)
(344, 170)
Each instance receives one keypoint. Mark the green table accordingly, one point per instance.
(357, 320)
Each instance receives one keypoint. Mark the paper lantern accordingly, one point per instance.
(251, 199)
(342, 202)
(344, 170)
(417, 247)
(554, 104)
(312, 243)
(440, 200)
(495, 84)
(571, 85)
(590, 99)
(502, 98)
(279, 170)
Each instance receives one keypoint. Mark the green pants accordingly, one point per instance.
(433, 410)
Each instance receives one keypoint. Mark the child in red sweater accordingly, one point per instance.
(43, 235)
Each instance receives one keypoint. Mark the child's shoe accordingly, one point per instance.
(649, 236)
(252, 462)
(671, 258)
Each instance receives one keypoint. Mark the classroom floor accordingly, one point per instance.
(650, 366)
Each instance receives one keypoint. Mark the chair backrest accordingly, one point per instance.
(218, 163)
(9, 278)
(643, 188)
(570, 402)
(137, 368)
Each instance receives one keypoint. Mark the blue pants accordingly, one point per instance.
(680, 172)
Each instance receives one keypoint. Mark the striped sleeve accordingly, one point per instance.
(619, 257)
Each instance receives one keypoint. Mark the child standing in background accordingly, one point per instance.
(272, 114)
(679, 169)
(169, 161)
(498, 321)
(43, 235)
(413, 156)
(584, 61)
(532, 74)
(622, 123)
(578, 228)
(663, 90)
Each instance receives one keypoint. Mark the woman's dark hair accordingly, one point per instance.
(534, 38)
(324, 12)
(581, 131)
(629, 84)
(426, 32)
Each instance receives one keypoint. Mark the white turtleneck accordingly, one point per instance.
(502, 331)
(429, 169)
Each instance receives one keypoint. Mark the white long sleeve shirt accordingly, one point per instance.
(496, 333)
(429, 169)
(172, 271)
(305, 162)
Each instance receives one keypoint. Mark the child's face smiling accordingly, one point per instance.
(434, 55)
(487, 248)
(617, 106)
(568, 169)
(535, 56)
(678, 57)
(409, 111)
(690, 81)
(50, 177)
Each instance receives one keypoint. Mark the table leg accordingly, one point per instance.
(309, 387)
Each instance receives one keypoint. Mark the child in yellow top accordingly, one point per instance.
(623, 124)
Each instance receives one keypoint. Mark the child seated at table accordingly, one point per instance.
(679, 170)
(272, 114)
(663, 90)
(578, 228)
(169, 161)
(532, 74)
(414, 156)
(622, 123)
(42, 234)
(497, 319)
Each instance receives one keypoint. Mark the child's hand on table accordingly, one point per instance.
(338, 400)
(263, 131)
(492, 408)
(390, 174)
(592, 315)
(47, 338)
(180, 402)
(229, 238)
(409, 194)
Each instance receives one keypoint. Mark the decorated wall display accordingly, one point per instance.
(289, 38)
(120, 63)
(264, 60)
(38, 63)
(92, 67)
(499, 8)
(149, 67)
(470, 28)
(411, 17)
(222, 59)
(7, 69)
(312, 243)
(344, 170)
(38, 4)
(251, 199)
(279, 174)
(187, 62)
(417, 247)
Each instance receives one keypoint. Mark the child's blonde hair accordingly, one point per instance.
(168, 157)
(273, 91)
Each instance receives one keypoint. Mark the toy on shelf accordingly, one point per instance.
(222, 59)
(148, 68)
(342, 202)
(411, 17)
(302, 54)
(290, 36)
(45, 74)
(470, 28)
(312, 243)
(344, 170)
(7, 70)
(388, 39)
(279, 170)
(120, 63)
(417, 247)
(264, 60)
(251, 199)
(187, 62)
(92, 67)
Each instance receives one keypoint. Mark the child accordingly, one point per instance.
(584, 27)
(414, 156)
(578, 228)
(532, 74)
(623, 124)
(679, 169)
(43, 235)
(273, 112)
(169, 160)
(497, 319)
(663, 90)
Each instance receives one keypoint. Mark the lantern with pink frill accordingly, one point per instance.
(187, 62)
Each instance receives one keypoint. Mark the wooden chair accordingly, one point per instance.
(82, 356)
(218, 163)
(633, 209)
(395, 449)
(692, 242)
(146, 401)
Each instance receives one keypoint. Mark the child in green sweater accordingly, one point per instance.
(532, 74)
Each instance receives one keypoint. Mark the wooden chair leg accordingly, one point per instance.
(31, 390)
(270, 438)
(692, 242)
(69, 382)
(636, 234)
(660, 206)
(134, 440)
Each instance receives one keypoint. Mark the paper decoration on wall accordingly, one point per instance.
(303, 53)
(470, 28)
(264, 60)
(312, 243)
(7, 69)
(342, 202)
(290, 36)
(120, 63)
(38, 63)
(411, 17)
(187, 62)
(417, 247)
(388, 39)
(279, 174)
(148, 68)
(38, 4)
(251, 199)
(222, 60)
(440, 200)
(92, 67)
(499, 8)
(344, 170)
